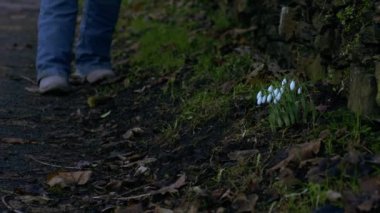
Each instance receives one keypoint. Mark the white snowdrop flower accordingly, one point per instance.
(263, 99)
(259, 95)
(270, 88)
(259, 101)
(282, 90)
(276, 91)
(299, 91)
(278, 97)
(292, 85)
(269, 98)
(284, 82)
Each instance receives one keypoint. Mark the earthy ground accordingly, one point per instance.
(179, 130)
(31, 125)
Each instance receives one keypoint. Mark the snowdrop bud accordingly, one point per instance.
(275, 101)
(259, 101)
(263, 99)
(269, 98)
(276, 91)
(299, 91)
(284, 82)
(278, 97)
(292, 85)
(259, 95)
(282, 90)
(270, 88)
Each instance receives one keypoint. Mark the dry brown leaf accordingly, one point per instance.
(130, 209)
(181, 181)
(366, 206)
(64, 179)
(162, 210)
(370, 184)
(333, 196)
(28, 199)
(141, 162)
(15, 141)
(243, 154)
(242, 203)
(299, 153)
(133, 132)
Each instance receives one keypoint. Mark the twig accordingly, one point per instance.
(49, 164)
(28, 79)
(296, 194)
(9, 207)
(3, 199)
(7, 192)
(136, 197)
(135, 189)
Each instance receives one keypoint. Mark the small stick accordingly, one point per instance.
(9, 207)
(28, 79)
(49, 164)
(3, 199)
(7, 192)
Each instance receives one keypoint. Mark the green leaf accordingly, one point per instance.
(286, 119)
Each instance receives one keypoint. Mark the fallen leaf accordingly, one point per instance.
(141, 170)
(133, 132)
(242, 155)
(299, 153)
(242, 203)
(181, 181)
(333, 196)
(64, 179)
(140, 162)
(114, 185)
(129, 209)
(28, 199)
(366, 206)
(14, 141)
(227, 87)
(370, 184)
(162, 210)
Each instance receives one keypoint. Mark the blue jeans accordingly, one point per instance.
(56, 33)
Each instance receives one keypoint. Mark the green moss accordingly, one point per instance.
(220, 20)
(353, 18)
(162, 47)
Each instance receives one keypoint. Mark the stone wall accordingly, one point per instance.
(332, 40)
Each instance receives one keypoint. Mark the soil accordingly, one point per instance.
(59, 154)
(43, 135)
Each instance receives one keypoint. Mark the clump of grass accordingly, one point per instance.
(204, 106)
(240, 176)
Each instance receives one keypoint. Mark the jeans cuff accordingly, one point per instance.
(46, 73)
(84, 70)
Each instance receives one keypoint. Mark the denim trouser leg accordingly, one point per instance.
(94, 47)
(56, 29)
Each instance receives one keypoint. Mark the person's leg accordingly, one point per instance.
(56, 31)
(93, 53)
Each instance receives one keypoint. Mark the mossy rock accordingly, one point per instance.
(363, 89)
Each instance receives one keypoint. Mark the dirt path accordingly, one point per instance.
(42, 135)
(31, 126)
